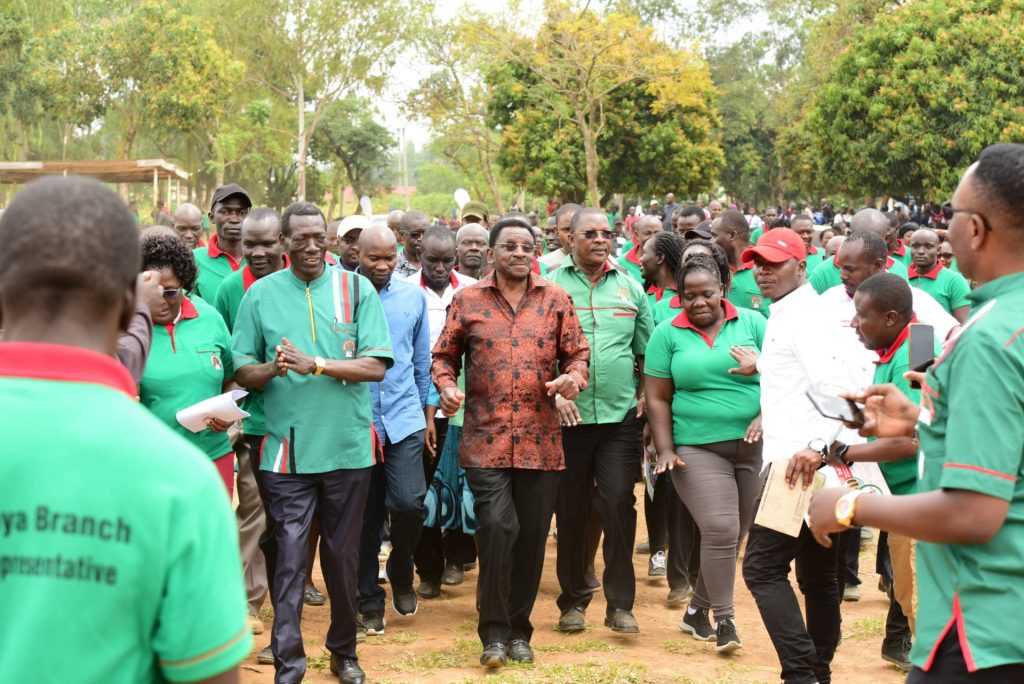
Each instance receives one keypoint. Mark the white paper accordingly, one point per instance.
(783, 509)
(223, 407)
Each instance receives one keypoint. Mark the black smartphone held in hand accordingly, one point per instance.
(837, 408)
(922, 349)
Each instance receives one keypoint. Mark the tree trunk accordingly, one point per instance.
(590, 153)
(64, 140)
(301, 192)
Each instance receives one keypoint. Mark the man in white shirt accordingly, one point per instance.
(796, 357)
(563, 218)
(440, 559)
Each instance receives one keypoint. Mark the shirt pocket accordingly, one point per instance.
(210, 361)
(344, 337)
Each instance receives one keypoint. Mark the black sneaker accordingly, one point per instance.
(698, 625)
(519, 650)
(726, 637)
(494, 656)
(897, 653)
(404, 601)
(373, 622)
(572, 620)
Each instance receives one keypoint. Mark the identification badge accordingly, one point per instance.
(756, 301)
(215, 360)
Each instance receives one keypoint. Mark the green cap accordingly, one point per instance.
(476, 210)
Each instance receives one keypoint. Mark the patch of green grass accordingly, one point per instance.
(320, 663)
(680, 647)
(866, 629)
(582, 673)
(465, 627)
(267, 615)
(572, 646)
(394, 639)
(462, 653)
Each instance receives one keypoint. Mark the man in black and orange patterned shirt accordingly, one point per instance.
(523, 345)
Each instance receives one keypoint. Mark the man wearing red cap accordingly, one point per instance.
(795, 359)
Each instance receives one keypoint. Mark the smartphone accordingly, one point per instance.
(922, 349)
(837, 408)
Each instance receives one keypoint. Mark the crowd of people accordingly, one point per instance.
(462, 394)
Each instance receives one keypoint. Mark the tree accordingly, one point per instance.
(313, 53)
(349, 135)
(579, 59)
(916, 95)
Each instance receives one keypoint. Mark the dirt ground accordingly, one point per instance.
(439, 644)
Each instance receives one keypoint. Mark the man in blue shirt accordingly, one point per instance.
(397, 484)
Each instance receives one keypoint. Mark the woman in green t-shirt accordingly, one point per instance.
(706, 425)
(190, 357)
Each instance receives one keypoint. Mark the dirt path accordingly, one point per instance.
(439, 643)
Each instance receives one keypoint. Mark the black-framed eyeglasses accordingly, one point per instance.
(984, 221)
(172, 293)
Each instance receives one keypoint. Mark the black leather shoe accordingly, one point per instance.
(572, 620)
(621, 621)
(347, 670)
(519, 650)
(494, 655)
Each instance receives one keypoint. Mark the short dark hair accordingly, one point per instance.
(780, 222)
(37, 270)
(800, 217)
(688, 210)
(410, 216)
(569, 208)
(719, 256)
(874, 245)
(439, 232)
(696, 264)
(578, 217)
(908, 227)
(735, 222)
(165, 251)
(299, 209)
(999, 179)
(507, 222)
(889, 292)
(263, 214)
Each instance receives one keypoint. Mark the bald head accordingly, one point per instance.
(378, 254)
(395, 220)
(871, 220)
(188, 224)
(377, 237)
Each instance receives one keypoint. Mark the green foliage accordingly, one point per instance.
(916, 96)
(349, 135)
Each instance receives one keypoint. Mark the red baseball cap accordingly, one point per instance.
(777, 245)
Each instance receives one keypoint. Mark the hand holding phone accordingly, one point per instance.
(837, 408)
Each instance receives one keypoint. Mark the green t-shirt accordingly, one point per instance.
(709, 403)
(948, 288)
(755, 235)
(814, 258)
(188, 362)
(902, 255)
(631, 262)
(314, 424)
(616, 319)
(214, 266)
(746, 294)
(228, 299)
(972, 438)
(668, 307)
(119, 558)
(826, 274)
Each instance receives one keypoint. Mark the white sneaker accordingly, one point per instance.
(656, 566)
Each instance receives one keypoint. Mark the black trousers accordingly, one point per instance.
(337, 500)
(805, 651)
(513, 513)
(949, 667)
(607, 454)
(436, 547)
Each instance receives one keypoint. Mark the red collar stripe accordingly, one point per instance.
(885, 355)
(63, 363)
(912, 271)
(215, 252)
(631, 256)
(683, 321)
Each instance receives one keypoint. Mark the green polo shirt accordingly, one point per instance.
(656, 295)
(668, 307)
(314, 424)
(755, 235)
(631, 262)
(616, 319)
(814, 258)
(214, 266)
(901, 476)
(902, 255)
(188, 362)
(119, 558)
(826, 274)
(745, 293)
(709, 404)
(974, 441)
(228, 299)
(949, 289)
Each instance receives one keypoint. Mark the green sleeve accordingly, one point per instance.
(201, 630)
(227, 358)
(985, 426)
(821, 278)
(757, 326)
(958, 291)
(644, 324)
(658, 358)
(373, 337)
(222, 303)
(247, 343)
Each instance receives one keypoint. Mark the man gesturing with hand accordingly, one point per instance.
(516, 332)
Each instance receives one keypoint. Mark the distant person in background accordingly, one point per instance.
(714, 209)
(475, 212)
(563, 218)
(414, 225)
(188, 224)
(688, 217)
(471, 250)
(833, 246)
(946, 255)
(670, 208)
(947, 287)
(223, 255)
(348, 232)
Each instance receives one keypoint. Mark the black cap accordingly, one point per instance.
(225, 191)
(701, 230)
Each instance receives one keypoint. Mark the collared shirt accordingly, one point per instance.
(745, 293)
(554, 259)
(214, 265)
(901, 254)
(314, 424)
(630, 261)
(709, 404)
(814, 257)
(972, 438)
(797, 357)
(403, 267)
(188, 362)
(616, 318)
(826, 274)
(437, 305)
(948, 288)
(510, 421)
(398, 400)
(114, 518)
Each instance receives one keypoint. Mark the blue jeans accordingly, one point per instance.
(397, 487)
